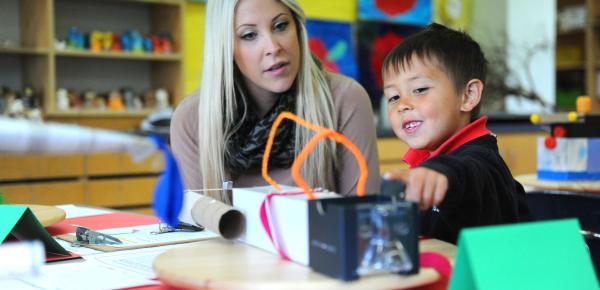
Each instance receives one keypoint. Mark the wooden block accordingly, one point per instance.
(519, 151)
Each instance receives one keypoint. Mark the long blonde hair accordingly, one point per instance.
(217, 97)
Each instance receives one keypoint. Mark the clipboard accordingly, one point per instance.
(120, 222)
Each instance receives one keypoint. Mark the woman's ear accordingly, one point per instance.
(472, 95)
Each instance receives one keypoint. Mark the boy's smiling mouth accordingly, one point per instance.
(411, 126)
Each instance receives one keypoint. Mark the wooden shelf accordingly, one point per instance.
(162, 2)
(95, 114)
(119, 55)
(567, 66)
(22, 50)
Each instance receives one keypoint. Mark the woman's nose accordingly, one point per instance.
(271, 45)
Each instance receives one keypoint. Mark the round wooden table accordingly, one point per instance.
(47, 214)
(221, 264)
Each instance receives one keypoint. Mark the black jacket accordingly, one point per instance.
(481, 191)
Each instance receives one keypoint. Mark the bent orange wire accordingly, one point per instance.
(312, 143)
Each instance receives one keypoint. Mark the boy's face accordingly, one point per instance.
(423, 107)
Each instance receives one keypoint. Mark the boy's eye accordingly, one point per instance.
(248, 36)
(420, 90)
(280, 26)
(393, 99)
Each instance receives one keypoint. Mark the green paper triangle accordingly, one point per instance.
(539, 255)
(10, 216)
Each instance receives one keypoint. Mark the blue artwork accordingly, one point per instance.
(413, 12)
(332, 43)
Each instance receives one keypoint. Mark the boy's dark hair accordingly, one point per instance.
(455, 51)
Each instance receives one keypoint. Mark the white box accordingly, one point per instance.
(289, 219)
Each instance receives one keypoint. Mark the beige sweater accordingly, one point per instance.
(354, 119)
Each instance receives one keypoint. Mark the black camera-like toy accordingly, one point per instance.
(351, 237)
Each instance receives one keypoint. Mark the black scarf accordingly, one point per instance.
(245, 147)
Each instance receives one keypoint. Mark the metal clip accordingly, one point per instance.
(181, 227)
(87, 236)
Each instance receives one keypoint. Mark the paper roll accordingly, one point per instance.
(219, 217)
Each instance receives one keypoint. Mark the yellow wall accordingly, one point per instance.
(194, 41)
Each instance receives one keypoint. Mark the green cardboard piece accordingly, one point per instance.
(538, 255)
(21, 223)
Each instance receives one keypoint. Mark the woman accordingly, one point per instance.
(257, 64)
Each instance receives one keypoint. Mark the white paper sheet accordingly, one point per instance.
(89, 275)
(138, 261)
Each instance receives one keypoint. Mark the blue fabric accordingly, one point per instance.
(168, 192)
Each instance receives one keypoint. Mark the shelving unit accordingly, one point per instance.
(30, 56)
(578, 62)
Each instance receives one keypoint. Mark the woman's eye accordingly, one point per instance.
(248, 36)
(281, 26)
(393, 99)
(420, 90)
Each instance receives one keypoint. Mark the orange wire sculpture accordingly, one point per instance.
(321, 133)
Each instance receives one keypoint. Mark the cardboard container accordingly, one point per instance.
(288, 217)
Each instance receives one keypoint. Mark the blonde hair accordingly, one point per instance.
(312, 93)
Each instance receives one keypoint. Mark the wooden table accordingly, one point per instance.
(221, 264)
(573, 186)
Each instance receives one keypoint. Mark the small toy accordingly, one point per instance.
(62, 99)
(116, 43)
(157, 44)
(89, 99)
(126, 41)
(115, 101)
(96, 38)
(149, 99)
(136, 42)
(162, 99)
(107, 41)
(148, 45)
(128, 97)
(75, 38)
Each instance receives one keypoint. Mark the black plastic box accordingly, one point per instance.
(339, 232)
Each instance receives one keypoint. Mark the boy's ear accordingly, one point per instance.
(472, 95)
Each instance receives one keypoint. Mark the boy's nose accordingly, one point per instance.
(404, 105)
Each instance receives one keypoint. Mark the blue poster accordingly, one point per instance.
(332, 43)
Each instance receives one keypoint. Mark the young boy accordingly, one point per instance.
(433, 83)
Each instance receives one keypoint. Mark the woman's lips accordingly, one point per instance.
(277, 69)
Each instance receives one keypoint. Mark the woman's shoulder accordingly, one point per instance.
(344, 86)
(185, 116)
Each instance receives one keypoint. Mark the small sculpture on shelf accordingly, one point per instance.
(136, 42)
(128, 97)
(162, 99)
(166, 42)
(126, 41)
(157, 44)
(89, 99)
(148, 45)
(29, 99)
(15, 107)
(75, 99)
(62, 100)
(107, 41)
(116, 43)
(75, 38)
(149, 99)
(96, 41)
(115, 101)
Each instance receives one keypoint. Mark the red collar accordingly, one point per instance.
(476, 129)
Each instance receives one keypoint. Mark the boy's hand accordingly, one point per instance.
(426, 187)
(397, 174)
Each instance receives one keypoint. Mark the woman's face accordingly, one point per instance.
(267, 51)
